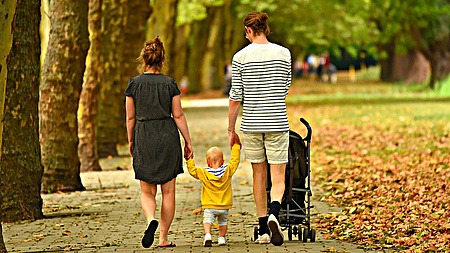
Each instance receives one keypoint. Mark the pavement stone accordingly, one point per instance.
(107, 217)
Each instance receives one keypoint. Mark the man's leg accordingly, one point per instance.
(260, 195)
(259, 187)
(277, 174)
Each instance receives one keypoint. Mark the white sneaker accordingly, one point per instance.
(263, 239)
(275, 231)
(207, 242)
(222, 241)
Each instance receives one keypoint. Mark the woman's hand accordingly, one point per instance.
(188, 151)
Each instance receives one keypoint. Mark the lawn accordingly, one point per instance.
(381, 151)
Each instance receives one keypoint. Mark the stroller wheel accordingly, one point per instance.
(290, 233)
(305, 235)
(312, 235)
(255, 233)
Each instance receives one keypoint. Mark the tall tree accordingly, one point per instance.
(21, 168)
(87, 122)
(162, 24)
(431, 32)
(136, 15)
(7, 10)
(62, 78)
(111, 112)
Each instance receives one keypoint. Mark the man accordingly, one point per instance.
(261, 77)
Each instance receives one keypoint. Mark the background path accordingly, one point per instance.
(107, 217)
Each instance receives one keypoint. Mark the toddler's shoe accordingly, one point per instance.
(222, 241)
(263, 239)
(275, 231)
(207, 242)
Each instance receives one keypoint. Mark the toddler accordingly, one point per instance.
(216, 196)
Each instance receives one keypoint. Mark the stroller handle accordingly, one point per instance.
(308, 136)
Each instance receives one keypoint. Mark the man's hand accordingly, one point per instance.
(234, 139)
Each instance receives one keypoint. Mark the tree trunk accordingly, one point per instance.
(87, 123)
(181, 47)
(2, 243)
(408, 68)
(197, 48)
(111, 112)
(21, 168)
(437, 53)
(62, 79)
(162, 24)
(137, 14)
(7, 10)
(213, 62)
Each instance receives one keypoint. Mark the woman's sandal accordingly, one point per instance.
(171, 244)
(149, 234)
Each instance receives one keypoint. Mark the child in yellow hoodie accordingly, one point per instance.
(217, 197)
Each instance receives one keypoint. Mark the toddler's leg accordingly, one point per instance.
(222, 230)
(222, 220)
(207, 228)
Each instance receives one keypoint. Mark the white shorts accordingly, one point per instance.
(209, 215)
(273, 145)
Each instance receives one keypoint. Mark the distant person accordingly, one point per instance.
(262, 77)
(227, 78)
(154, 117)
(217, 197)
(184, 84)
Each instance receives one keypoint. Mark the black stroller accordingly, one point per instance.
(295, 213)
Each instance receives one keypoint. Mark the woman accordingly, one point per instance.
(261, 77)
(154, 116)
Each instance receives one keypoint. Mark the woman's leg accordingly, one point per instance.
(148, 201)
(167, 210)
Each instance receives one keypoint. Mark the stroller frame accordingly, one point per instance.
(295, 217)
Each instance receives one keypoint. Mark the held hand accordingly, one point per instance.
(234, 139)
(188, 151)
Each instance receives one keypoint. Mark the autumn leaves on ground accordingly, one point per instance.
(383, 153)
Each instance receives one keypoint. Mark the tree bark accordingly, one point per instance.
(62, 78)
(111, 112)
(408, 68)
(137, 14)
(437, 53)
(7, 10)
(87, 123)
(21, 168)
(181, 47)
(197, 48)
(213, 62)
(162, 24)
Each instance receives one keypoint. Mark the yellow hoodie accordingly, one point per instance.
(216, 191)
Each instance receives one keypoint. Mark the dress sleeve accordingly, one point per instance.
(175, 90)
(129, 91)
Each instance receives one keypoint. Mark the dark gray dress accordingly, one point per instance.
(156, 149)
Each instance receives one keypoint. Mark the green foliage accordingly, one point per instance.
(194, 10)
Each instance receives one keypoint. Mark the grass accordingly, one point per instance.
(380, 151)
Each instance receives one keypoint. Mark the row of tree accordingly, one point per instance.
(59, 118)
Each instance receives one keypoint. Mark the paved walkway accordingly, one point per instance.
(107, 217)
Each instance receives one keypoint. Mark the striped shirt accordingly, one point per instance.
(217, 172)
(261, 77)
